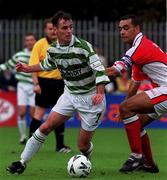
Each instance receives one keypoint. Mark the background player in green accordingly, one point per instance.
(25, 93)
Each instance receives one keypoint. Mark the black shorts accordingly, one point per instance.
(51, 89)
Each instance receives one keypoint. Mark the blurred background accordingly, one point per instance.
(94, 20)
(97, 22)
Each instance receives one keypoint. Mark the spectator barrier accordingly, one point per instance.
(110, 119)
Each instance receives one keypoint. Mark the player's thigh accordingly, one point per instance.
(139, 103)
(53, 120)
(158, 98)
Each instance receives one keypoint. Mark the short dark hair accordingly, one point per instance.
(30, 34)
(47, 21)
(60, 15)
(135, 19)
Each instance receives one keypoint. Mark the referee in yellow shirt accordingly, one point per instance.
(48, 86)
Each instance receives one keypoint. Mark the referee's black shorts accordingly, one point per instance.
(51, 89)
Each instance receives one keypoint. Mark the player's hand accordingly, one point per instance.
(37, 89)
(97, 99)
(21, 67)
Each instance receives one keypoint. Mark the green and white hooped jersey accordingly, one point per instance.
(22, 56)
(79, 65)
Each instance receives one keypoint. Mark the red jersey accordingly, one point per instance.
(148, 61)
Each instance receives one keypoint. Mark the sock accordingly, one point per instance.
(59, 133)
(136, 155)
(88, 152)
(22, 127)
(34, 125)
(32, 146)
(132, 127)
(146, 148)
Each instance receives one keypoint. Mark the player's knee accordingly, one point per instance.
(126, 109)
(39, 113)
(22, 112)
(123, 108)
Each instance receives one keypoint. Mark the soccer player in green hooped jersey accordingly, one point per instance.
(85, 80)
(25, 94)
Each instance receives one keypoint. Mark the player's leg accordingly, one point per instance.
(35, 142)
(150, 165)
(22, 103)
(21, 122)
(32, 110)
(31, 103)
(40, 106)
(36, 120)
(58, 87)
(90, 119)
(60, 144)
(84, 142)
(129, 109)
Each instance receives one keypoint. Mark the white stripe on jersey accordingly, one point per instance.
(157, 72)
(136, 43)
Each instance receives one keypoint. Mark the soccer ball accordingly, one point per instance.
(79, 166)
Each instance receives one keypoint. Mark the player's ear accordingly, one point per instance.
(137, 28)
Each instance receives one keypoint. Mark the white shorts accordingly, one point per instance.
(25, 94)
(158, 98)
(90, 114)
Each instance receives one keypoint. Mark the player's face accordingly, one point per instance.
(64, 31)
(29, 42)
(128, 31)
(49, 31)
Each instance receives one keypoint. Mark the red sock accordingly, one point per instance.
(146, 147)
(133, 133)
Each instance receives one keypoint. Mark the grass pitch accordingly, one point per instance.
(110, 151)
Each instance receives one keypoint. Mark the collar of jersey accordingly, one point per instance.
(71, 43)
(137, 37)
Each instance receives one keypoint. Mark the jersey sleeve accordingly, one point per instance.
(10, 64)
(97, 66)
(95, 63)
(48, 63)
(123, 65)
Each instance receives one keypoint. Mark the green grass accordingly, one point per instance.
(110, 151)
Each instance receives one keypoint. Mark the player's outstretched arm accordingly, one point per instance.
(111, 71)
(22, 67)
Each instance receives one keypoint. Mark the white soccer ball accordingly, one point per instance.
(79, 166)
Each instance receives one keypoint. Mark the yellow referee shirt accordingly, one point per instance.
(38, 54)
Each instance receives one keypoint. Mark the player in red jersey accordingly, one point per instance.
(147, 61)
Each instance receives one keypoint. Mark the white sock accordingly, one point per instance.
(143, 132)
(22, 127)
(32, 146)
